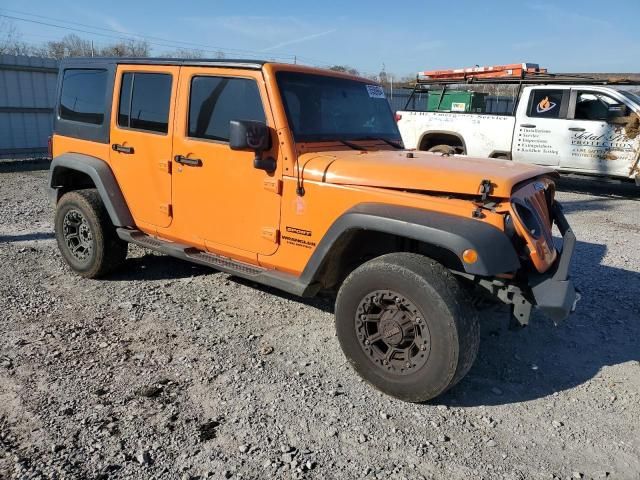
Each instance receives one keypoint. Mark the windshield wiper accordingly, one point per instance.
(351, 145)
(385, 140)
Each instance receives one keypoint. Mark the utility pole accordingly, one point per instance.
(91, 48)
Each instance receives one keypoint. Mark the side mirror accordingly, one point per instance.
(248, 135)
(617, 110)
(252, 136)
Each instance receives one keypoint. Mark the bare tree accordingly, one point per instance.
(127, 48)
(192, 53)
(184, 53)
(69, 46)
(10, 40)
(344, 69)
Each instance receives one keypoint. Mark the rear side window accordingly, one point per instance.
(546, 103)
(215, 101)
(83, 95)
(145, 101)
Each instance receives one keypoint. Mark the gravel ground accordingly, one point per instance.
(168, 370)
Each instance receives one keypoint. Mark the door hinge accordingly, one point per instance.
(273, 185)
(271, 234)
(165, 165)
(166, 209)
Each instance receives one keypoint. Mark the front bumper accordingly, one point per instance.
(553, 292)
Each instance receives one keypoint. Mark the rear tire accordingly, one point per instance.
(407, 326)
(86, 237)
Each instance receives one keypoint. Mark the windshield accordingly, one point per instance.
(634, 97)
(323, 108)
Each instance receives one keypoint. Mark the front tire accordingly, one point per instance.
(86, 237)
(407, 326)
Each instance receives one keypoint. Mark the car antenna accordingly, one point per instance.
(299, 185)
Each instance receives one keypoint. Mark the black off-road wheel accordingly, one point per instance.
(407, 326)
(86, 237)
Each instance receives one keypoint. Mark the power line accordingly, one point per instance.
(148, 38)
(120, 37)
(125, 34)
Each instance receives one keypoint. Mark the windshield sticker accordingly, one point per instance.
(375, 91)
(545, 105)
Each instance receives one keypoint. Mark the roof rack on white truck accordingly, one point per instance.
(520, 112)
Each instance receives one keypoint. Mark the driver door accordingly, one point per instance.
(220, 200)
(599, 143)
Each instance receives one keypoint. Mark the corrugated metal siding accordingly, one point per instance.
(398, 98)
(27, 97)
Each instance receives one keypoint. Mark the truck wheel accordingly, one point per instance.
(443, 149)
(407, 326)
(86, 237)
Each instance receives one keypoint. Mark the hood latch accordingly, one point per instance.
(486, 188)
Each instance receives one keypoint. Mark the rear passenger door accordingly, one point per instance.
(220, 200)
(141, 140)
(541, 135)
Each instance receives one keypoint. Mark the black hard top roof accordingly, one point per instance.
(212, 62)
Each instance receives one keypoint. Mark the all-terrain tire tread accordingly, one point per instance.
(110, 250)
(463, 329)
(457, 300)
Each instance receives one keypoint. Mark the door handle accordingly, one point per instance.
(576, 129)
(121, 148)
(192, 162)
(527, 125)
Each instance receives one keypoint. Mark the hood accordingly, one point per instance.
(416, 171)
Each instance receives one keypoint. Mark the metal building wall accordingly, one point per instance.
(27, 96)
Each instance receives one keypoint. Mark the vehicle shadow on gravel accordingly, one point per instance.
(323, 301)
(599, 188)
(592, 204)
(28, 165)
(542, 359)
(512, 366)
(26, 237)
(157, 267)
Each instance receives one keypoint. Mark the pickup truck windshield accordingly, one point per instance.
(634, 98)
(323, 108)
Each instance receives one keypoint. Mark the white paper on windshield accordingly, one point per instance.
(375, 91)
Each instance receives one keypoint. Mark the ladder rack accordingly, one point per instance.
(528, 79)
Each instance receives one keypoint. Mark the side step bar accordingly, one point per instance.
(272, 278)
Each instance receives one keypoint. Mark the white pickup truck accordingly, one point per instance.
(586, 129)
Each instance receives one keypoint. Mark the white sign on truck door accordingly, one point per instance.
(540, 136)
(601, 142)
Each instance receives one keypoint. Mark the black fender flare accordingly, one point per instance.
(102, 177)
(496, 253)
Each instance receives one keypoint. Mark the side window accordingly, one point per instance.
(215, 101)
(145, 100)
(593, 106)
(545, 103)
(83, 95)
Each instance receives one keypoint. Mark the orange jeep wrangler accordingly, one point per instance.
(296, 178)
